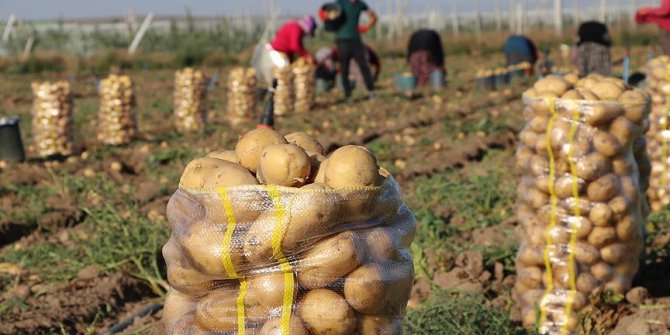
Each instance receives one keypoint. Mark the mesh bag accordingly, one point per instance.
(116, 117)
(580, 204)
(304, 83)
(277, 260)
(53, 131)
(658, 78)
(241, 92)
(190, 100)
(284, 94)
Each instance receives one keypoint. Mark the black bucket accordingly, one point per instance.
(11, 146)
(333, 24)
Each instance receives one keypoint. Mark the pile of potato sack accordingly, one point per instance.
(581, 197)
(284, 95)
(190, 100)
(276, 238)
(53, 123)
(304, 83)
(116, 117)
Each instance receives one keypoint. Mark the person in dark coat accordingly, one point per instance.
(520, 49)
(593, 49)
(425, 55)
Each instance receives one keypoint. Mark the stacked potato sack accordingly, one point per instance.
(304, 82)
(190, 100)
(275, 238)
(241, 92)
(580, 200)
(116, 116)
(52, 123)
(284, 93)
(658, 136)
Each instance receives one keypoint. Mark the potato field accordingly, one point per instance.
(82, 237)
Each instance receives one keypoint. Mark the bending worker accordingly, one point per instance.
(287, 46)
(520, 49)
(425, 55)
(660, 16)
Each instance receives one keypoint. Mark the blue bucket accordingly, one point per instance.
(437, 80)
(405, 83)
(501, 80)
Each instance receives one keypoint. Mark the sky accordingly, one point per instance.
(55, 9)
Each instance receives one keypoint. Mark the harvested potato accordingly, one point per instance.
(176, 305)
(180, 275)
(273, 327)
(250, 146)
(265, 292)
(379, 325)
(218, 311)
(554, 84)
(373, 289)
(202, 244)
(330, 260)
(320, 176)
(284, 165)
(212, 172)
(607, 90)
(306, 142)
(225, 155)
(350, 167)
(325, 312)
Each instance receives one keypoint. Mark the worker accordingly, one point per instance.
(660, 16)
(519, 49)
(327, 65)
(350, 44)
(286, 47)
(593, 49)
(425, 55)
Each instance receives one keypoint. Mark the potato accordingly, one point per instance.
(202, 244)
(620, 206)
(601, 214)
(317, 161)
(586, 253)
(624, 130)
(602, 271)
(539, 124)
(218, 311)
(586, 283)
(181, 275)
(187, 324)
(606, 144)
(627, 229)
(224, 155)
(599, 114)
(325, 312)
(531, 255)
(592, 166)
(381, 244)
(212, 172)
(350, 167)
(531, 277)
(572, 95)
(588, 94)
(607, 90)
(619, 284)
(311, 215)
(601, 236)
(548, 94)
(604, 188)
(284, 165)
(571, 78)
(636, 102)
(554, 84)
(375, 290)
(330, 260)
(273, 327)
(379, 325)
(320, 175)
(622, 166)
(539, 165)
(528, 318)
(250, 146)
(265, 292)
(614, 253)
(306, 142)
(580, 225)
(528, 137)
(583, 204)
(176, 305)
(564, 186)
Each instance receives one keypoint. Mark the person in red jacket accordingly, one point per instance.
(660, 16)
(287, 46)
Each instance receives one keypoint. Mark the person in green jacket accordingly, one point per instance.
(350, 45)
